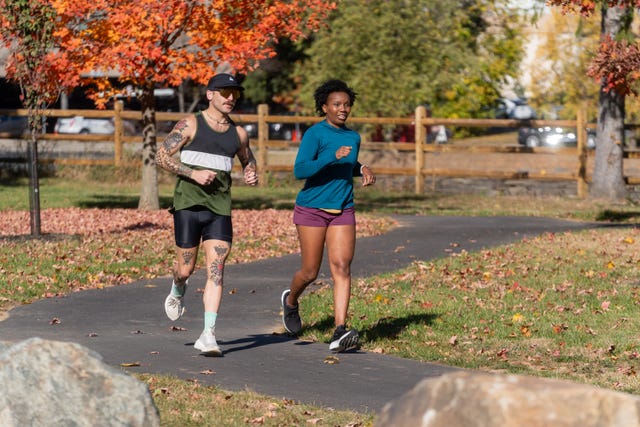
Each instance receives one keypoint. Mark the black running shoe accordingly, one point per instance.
(290, 316)
(344, 339)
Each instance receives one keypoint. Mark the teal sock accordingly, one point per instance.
(178, 291)
(210, 320)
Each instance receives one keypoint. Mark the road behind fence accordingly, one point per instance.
(480, 157)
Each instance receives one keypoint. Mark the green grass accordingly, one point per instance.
(183, 403)
(81, 193)
(561, 306)
(85, 192)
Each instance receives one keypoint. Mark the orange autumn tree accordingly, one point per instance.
(616, 67)
(27, 32)
(151, 44)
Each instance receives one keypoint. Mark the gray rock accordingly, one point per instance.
(472, 399)
(52, 383)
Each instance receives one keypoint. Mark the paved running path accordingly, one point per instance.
(127, 323)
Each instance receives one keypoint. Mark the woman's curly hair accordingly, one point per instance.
(325, 89)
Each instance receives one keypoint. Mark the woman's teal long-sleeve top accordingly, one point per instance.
(329, 181)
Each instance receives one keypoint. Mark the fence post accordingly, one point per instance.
(420, 135)
(581, 133)
(118, 106)
(263, 137)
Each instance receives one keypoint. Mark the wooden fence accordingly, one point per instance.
(415, 153)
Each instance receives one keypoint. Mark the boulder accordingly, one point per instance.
(473, 399)
(52, 383)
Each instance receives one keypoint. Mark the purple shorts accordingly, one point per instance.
(313, 217)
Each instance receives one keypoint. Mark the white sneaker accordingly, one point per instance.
(174, 307)
(207, 344)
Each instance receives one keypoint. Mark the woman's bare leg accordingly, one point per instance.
(311, 247)
(341, 241)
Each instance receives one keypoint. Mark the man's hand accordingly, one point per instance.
(203, 177)
(250, 174)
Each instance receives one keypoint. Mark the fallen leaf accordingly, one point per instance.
(128, 365)
(54, 321)
(331, 360)
(208, 372)
(559, 328)
(453, 340)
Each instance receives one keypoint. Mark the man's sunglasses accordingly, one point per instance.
(225, 92)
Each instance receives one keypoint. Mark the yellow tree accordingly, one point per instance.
(151, 43)
(565, 46)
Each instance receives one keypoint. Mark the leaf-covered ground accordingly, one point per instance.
(272, 228)
(89, 248)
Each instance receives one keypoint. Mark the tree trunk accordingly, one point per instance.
(608, 179)
(149, 198)
(36, 125)
(34, 187)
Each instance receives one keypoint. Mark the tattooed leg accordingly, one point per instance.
(216, 252)
(185, 264)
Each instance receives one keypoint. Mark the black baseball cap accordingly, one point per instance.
(220, 81)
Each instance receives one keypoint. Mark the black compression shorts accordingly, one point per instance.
(195, 223)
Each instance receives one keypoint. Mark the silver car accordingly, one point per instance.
(83, 125)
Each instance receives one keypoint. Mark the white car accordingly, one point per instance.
(79, 124)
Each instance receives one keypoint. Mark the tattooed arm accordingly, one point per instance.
(179, 136)
(247, 160)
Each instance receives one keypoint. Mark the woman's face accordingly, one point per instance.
(337, 108)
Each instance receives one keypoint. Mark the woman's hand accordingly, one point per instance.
(343, 151)
(368, 178)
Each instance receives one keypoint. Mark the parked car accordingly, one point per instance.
(279, 131)
(510, 109)
(517, 109)
(83, 125)
(438, 134)
(548, 136)
(14, 125)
